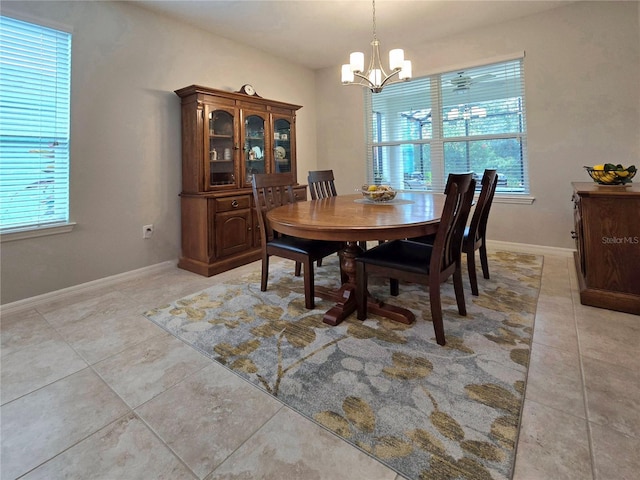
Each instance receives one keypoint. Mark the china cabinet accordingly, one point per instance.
(607, 235)
(226, 138)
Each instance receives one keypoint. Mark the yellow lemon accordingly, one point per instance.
(598, 167)
(373, 188)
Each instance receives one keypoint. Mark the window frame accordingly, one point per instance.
(56, 96)
(393, 164)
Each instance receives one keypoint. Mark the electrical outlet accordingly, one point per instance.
(147, 231)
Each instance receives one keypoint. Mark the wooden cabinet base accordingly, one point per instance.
(594, 297)
(607, 235)
(219, 266)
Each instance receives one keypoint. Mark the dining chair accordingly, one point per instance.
(271, 190)
(422, 263)
(475, 235)
(322, 185)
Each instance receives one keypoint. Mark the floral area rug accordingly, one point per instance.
(426, 411)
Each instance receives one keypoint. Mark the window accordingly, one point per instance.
(459, 121)
(35, 67)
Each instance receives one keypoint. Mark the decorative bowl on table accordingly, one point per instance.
(378, 193)
(610, 174)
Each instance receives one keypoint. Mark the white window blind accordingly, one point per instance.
(35, 68)
(466, 120)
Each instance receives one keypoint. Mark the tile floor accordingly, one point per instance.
(91, 389)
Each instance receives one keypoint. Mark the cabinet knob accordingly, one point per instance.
(234, 204)
(574, 235)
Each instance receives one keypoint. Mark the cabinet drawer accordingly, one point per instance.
(228, 204)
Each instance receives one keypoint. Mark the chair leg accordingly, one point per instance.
(265, 273)
(298, 268)
(394, 287)
(484, 261)
(361, 291)
(319, 262)
(436, 312)
(471, 266)
(309, 300)
(459, 289)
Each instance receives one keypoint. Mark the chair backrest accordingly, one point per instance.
(478, 226)
(321, 184)
(447, 246)
(270, 190)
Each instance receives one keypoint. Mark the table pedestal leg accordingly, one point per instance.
(345, 296)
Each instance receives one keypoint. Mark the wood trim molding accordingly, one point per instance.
(528, 248)
(33, 302)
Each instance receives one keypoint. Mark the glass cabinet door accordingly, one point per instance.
(254, 146)
(221, 143)
(282, 145)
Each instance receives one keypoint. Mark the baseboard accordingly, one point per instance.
(528, 248)
(33, 302)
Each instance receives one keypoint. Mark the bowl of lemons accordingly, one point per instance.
(378, 193)
(610, 174)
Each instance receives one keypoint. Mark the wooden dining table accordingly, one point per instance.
(352, 219)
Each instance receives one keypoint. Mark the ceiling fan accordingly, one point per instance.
(463, 82)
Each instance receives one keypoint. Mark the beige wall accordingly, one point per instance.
(125, 145)
(582, 74)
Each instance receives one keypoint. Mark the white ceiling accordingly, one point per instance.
(320, 34)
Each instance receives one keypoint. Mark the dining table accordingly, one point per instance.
(352, 219)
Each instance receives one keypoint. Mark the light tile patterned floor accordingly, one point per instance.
(91, 389)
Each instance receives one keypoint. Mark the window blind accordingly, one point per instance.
(400, 131)
(35, 68)
(465, 120)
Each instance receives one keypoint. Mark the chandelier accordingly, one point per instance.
(375, 78)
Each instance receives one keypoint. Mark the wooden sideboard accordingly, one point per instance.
(607, 235)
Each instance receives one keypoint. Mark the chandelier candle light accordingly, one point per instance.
(375, 77)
